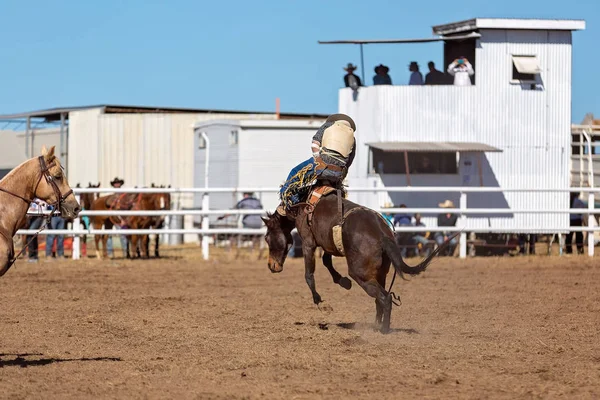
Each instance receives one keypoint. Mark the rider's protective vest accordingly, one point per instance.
(339, 137)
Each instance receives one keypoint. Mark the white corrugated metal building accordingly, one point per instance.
(249, 153)
(510, 129)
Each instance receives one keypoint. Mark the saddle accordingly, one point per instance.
(314, 197)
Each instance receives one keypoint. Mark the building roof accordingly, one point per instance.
(509, 23)
(433, 147)
(53, 114)
(264, 123)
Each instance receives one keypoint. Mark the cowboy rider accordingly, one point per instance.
(333, 150)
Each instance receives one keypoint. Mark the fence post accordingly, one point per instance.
(591, 236)
(205, 226)
(76, 238)
(463, 224)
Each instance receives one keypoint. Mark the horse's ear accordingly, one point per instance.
(265, 220)
(48, 154)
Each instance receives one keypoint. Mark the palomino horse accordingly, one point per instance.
(368, 245)
(42, 178)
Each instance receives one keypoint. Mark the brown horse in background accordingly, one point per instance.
(118, 202)
(86, 200)
(368, 245)
(148, 201)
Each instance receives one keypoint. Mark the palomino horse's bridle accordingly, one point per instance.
(60, 198)
(45, 173)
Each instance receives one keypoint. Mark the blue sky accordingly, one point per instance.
(239, 54)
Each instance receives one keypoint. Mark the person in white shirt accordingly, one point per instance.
(462, 70)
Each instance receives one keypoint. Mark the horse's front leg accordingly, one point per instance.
(309, 275)
(337, 278)
(6, 254)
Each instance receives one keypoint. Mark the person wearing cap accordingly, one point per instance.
(350, 79)
(421, 239)
(416, 78)
(249, 202)
(381, 75)
(446, 219)
(462, 70)
(333, 149)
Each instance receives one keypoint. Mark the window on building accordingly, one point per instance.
(525, 67)
(201, 142)
(433, 163)
(383, 162)
(233, 138)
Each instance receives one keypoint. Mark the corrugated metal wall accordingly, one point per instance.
(268, 155)
(223, 167)
(140, 148)
(532, 127)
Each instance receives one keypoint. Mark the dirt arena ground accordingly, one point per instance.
(178, 327)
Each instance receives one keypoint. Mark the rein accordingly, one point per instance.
(60, 198)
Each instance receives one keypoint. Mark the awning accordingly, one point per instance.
(472, 35)
(439, 147)
(527, 64)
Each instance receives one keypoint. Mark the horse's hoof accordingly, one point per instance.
(325, 307)
(345, 283)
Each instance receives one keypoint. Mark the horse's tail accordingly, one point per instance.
(392, 250)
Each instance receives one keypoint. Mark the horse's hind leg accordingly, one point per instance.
(375, 288)
(337, 278)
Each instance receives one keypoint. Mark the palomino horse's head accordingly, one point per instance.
(51, 184)
(279, 239)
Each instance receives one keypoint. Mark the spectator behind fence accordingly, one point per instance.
(381, 75)
(462, 70)
(577, 221)
(403, 238)
(36, 220)
(388, 216)
(445, 220)
(421, 239)
(249, 202)
(434, 77)
(350, 79)
(56, 222)
(416, 78)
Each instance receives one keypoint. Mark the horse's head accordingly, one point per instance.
(52, 185)
(279, 239)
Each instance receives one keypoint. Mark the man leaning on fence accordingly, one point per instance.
(249, 202)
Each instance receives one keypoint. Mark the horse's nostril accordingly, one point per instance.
(77, 209)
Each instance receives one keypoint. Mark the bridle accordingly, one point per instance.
(45, 173)
(60, 198)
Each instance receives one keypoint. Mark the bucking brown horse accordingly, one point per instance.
(367, 242)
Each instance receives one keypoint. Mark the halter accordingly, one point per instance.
(45, 173)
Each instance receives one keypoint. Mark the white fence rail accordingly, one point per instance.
(462, 211)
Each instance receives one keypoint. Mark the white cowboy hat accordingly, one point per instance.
(446, 204)
(388, 204)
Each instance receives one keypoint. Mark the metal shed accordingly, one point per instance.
(249, 153)
(519, 103)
